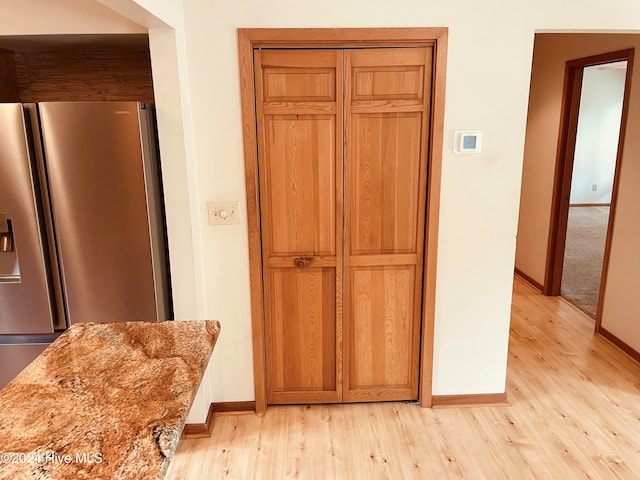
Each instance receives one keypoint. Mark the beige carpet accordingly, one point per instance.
(584, 252)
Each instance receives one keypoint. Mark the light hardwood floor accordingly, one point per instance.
(573, 413)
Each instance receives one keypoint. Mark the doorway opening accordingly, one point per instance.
(595, 104)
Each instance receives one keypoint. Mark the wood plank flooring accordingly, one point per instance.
(573, 413)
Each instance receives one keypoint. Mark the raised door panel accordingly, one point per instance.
(387, 125)
(301, 333)
(300, 164)
(387, 83)
(291, 84)
(381, 314)
(300, 173)
(385, 197)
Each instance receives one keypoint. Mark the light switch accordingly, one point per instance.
(223, 213)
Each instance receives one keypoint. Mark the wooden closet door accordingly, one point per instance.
(387, 96)
(299, 112)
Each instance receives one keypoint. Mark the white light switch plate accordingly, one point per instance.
(223, 213)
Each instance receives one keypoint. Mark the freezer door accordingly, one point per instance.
(25, 296)
(96, 182)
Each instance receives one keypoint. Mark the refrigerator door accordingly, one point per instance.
(25, 295)
(94, 162)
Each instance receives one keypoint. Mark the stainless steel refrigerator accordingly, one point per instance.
(82, 232)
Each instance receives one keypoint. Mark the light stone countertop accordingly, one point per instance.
(104, 401)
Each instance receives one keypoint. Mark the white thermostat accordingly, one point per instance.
(467, 141)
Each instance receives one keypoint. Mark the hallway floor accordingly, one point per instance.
(573, 413)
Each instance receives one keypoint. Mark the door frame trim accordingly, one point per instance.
(564, 169)
(248, 40)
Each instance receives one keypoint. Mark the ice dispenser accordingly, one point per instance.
(9, 269)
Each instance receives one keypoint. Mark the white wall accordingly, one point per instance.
(597, 135)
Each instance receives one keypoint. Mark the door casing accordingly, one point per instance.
(564, 168)
(250, 39)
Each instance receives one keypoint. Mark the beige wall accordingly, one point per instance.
(621, 301)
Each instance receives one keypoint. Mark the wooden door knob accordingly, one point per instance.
(302, 261)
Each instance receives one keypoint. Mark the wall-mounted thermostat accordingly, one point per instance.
(467, 141)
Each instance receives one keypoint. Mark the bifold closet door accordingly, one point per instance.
(313, 354)
(299, 113)
(387, 105)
